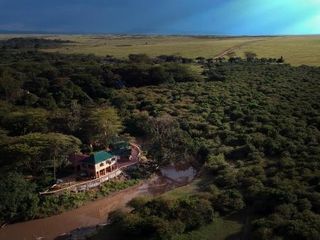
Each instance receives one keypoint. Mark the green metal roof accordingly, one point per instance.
(99, 157)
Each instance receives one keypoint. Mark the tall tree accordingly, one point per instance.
(250, 56)
(102, 125)
(26, 121)
(168, 142)
(73, 116)
(9, 85)
(38, 153)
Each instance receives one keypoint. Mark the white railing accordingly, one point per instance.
(83, 186)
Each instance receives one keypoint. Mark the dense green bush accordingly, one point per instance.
(50, 80)
(162, 218)
(18, 198)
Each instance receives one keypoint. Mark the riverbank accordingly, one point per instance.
(91, 214)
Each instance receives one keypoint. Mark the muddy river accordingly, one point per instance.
(96, 212)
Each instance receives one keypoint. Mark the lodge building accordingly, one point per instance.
(99, 164)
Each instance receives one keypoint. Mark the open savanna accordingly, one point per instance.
(121, 46)
(297, 50)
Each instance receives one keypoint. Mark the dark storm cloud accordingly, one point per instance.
(164, 16)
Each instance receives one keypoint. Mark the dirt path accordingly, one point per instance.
(236, 47)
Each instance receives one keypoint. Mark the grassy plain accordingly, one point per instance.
(153, 46)
(297, 50)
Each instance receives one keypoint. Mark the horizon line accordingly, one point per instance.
(7, 32)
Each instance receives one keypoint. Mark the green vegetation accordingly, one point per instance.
(53, 106)
(15, 188)
(22, 43)
(102, 125)
(257, 129)
(184, 191)
(35, 153)
(162, 218)
(219, 229)
(251, 125)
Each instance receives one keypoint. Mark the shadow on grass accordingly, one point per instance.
(244, 218)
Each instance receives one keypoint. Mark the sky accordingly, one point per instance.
(190, 17)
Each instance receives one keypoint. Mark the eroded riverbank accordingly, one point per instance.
(96, 212)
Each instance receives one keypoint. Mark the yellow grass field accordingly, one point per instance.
(152, 46)
(296, 50)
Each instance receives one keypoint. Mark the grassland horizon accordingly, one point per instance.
(296, 49)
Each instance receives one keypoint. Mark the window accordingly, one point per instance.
(102, 172)
(101, 164)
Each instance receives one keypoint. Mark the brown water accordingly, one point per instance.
(96, 212)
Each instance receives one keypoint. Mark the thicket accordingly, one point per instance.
(162, 218)
(256, 130)
(252, 124)
(36, 79)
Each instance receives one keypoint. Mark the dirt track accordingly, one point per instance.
(236, 47)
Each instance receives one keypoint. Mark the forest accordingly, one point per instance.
(250, 125)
